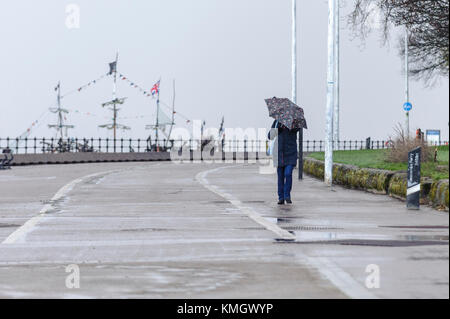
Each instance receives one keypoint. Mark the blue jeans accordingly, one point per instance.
(285, 182)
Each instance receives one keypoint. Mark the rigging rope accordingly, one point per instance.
(85, 85)
(148, 94)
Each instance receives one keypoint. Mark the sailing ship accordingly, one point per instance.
(159, 138)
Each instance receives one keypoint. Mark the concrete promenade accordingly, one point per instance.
(195, 230)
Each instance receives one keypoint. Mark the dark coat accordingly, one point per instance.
(285, 146)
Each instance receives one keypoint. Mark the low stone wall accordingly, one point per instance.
(67, 158)
(439, 194)
(71, 158)
(373, 180)
(381, 182)
(398, 185)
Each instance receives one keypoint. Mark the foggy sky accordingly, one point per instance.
(227, 56)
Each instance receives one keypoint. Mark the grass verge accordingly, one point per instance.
(378, 159)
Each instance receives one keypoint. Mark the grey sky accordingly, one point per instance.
(226, 55)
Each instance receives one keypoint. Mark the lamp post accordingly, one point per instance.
(407, 81)
(336, 115)
(294, 84)
(330, 94)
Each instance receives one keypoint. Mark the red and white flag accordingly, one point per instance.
(155, 88)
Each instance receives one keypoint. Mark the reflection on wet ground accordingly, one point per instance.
(321, 233)
(311, 235)
(372, 243)
(308, 236)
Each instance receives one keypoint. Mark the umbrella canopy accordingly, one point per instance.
(287, 113)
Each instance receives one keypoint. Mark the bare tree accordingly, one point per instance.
(427, 22)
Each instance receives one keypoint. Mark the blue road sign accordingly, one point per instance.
(407, 106)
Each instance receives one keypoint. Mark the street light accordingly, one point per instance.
(407, 102)
(336, 115)
(294, 84)
(330, 94)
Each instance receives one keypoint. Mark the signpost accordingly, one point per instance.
(413, 191)
(407, 106)
(433, 137)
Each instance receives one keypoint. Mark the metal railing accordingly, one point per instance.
(106, 145)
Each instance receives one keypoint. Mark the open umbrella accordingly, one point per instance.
(286, 112)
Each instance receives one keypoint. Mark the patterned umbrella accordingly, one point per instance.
(287, 113)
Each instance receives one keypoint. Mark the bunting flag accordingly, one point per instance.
(33, 126)
(75, 111)
(87, 113)
(155, 90)
(135, 85)
(188, 121)
(84, 86)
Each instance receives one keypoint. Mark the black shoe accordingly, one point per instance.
(281, 202)
(288, 201)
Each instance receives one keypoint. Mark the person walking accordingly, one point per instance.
(289, 119)
(285, 155)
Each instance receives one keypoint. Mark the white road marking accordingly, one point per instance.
(338, 277)
(283, 234)
(328, 269)
(20, 234)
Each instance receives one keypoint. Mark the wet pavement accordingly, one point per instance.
(165, 230)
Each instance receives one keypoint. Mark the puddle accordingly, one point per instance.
(428, 258)
(324, 236)
(147, 230)
(254, 202)
(416, 227)
(282, 217)
(162, 279)
(423, 237)
(368, 239)
(8, 225)
(219, 202)
(285, 208)
(280, 220)
(381, 243)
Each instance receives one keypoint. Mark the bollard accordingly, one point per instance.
(413, 191)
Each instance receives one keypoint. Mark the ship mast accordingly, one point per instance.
(114, 102)
(173, 114)
(60, 126)
(157, 121)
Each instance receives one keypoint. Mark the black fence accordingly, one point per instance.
(105, 145)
